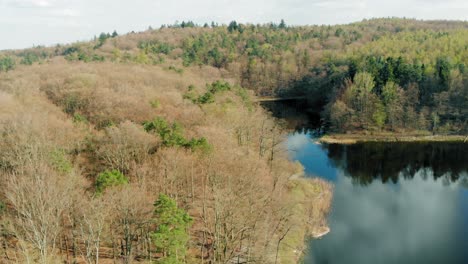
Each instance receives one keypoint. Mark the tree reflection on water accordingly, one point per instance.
(366, 162)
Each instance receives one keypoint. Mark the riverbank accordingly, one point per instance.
(389, 137)
(312, 201)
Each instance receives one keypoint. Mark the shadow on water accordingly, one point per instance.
(393, 202)
(297, 115)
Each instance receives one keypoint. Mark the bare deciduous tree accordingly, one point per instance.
(39, 196)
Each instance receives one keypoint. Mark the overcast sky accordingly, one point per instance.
(24, 23)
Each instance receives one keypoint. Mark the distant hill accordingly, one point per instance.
(275, 59)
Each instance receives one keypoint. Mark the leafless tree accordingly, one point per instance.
(39, 196)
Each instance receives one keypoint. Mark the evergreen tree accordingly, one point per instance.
(232, 26)
(171, 235)
(282, 24)
(108, 179)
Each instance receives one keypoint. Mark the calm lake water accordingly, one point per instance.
(393, 202)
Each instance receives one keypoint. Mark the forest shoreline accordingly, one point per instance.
(311, 222)
(348, 139)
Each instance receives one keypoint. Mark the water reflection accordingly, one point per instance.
(367, 162)
(415, 221)
(393, 202)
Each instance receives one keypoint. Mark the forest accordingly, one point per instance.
(126, 163)
(149, 146)
(379, 74)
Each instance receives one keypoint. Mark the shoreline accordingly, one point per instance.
(309, 221)
(349, 139)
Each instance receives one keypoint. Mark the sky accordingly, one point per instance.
(25, 23)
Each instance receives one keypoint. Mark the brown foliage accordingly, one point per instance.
(92, 114)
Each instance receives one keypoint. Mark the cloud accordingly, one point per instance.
(41, 3)
(340, 4)
(41, 9)
(65, 12)
(28, 3)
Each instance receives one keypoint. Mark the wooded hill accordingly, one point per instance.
(109, 158)
(414, 71)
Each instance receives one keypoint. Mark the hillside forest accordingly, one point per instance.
(380, 74)
(150, 146)
(113, 162)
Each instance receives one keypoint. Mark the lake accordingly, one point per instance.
(393, 202)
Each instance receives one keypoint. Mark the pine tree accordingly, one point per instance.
(171, 236)
(282, 24)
